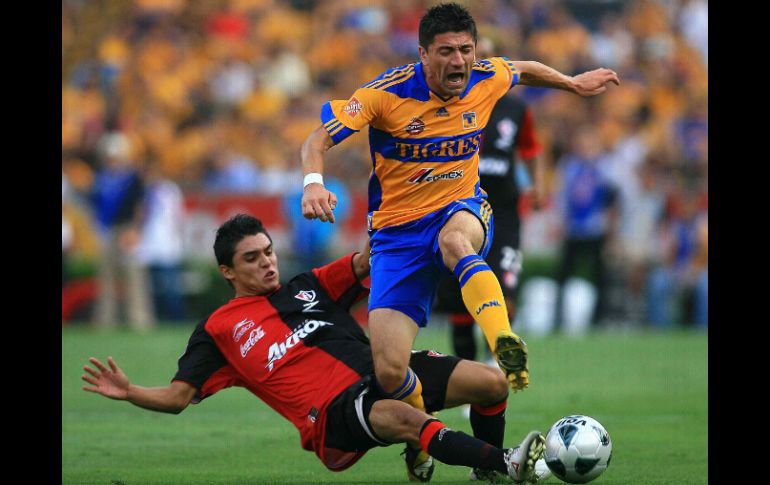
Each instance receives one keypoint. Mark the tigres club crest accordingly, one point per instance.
(469, 120)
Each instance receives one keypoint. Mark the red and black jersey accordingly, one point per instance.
(510, 132)
(296, 348)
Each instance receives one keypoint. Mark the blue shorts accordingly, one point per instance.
(407, 263)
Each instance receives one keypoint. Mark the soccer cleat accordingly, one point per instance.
(542, 472)
(419, 464)
(511, 355)
(490, 476)
(521, 460)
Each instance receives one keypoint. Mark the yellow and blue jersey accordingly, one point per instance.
(424, 149)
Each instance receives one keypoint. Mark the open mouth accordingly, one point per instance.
(270, 274)
(456, 79)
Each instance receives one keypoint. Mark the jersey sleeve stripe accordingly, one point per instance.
(483, 65)
(391, 81)
(514, 71)
(383, 78)
(375, 84)
(514, 76)
(330, 123)
(336, 129)
(395, 81)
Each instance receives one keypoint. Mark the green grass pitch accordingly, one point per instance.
(650, 390)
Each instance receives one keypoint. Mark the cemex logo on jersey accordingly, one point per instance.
(442, 113)
(240, 328)
(277, 351)
(424, 175)
(309, 297)
(353, 107)
(487, 305)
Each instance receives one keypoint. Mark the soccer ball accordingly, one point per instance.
(577, 449)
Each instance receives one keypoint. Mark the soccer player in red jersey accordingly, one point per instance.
(296, 347)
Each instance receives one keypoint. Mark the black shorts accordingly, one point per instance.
(505, 260)
(347, 418)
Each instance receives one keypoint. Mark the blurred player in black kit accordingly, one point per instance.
(510, 132)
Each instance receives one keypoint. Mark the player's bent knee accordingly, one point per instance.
(499, 386)
(494, 386)
(454, 245)
(396, 421)
(390, 376)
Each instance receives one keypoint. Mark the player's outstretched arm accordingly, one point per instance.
(317, 202)
(114, 384)
(591, 83)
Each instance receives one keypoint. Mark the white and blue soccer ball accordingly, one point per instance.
(577, 449)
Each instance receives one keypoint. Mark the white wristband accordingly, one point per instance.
(313, 178)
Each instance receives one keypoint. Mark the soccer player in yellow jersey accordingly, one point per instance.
(427, 211)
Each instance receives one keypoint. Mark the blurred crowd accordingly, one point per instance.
(161, 98)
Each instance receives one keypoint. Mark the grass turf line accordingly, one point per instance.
(650, 390)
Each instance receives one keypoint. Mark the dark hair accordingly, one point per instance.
(446, 17)
(230, 234)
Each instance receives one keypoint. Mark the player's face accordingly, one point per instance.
(448, 62)
(255, 267)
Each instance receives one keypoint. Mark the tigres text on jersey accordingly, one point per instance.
(424, 148)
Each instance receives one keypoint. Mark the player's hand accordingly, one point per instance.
(111, 382)
(317, 202)
(594, 82)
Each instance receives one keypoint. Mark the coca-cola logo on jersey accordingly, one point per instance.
(240, 328)
(254, 337)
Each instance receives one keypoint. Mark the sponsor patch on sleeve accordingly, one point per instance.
(353, 107)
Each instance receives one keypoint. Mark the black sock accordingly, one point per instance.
(457, 448)
(464, 341)
(488, 423)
